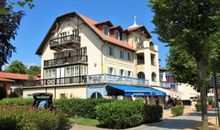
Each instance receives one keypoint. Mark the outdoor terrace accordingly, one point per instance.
(90, 79)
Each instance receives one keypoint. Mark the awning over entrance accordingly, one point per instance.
(132, 90)
(172, 93)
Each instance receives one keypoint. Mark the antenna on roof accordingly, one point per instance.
(135, 24)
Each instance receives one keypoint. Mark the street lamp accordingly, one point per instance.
(215, 87)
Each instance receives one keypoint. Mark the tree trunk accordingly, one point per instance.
(203, 92)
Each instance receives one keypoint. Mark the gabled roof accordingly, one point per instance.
(139, 27)
(109, 23)
(6, 80)
(116, 27)
(91, 24)
(13, 76)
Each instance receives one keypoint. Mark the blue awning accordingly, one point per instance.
(157, 92)
(138, 91)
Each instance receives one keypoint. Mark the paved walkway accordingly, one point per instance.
(174, 123)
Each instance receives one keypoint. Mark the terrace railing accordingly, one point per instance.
(106, 78)
(90, 79)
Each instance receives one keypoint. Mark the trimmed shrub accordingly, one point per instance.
(16, 101)
(177, 110)
(13, 95)
(198, 106)
(80, 107)
(152, 113)
(120, 114)
(15, 118)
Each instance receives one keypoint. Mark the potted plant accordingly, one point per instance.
(209, 105)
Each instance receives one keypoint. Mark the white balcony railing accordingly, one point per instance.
(106, 78)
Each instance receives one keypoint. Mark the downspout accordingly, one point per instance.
(102, 51)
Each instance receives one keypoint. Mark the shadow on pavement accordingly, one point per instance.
(210, 113)
(174, 123)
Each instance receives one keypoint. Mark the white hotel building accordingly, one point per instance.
(84, 58)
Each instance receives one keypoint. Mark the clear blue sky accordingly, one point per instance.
(37, 22)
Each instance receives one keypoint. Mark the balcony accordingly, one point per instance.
(168, 84)
(106, 78)
(65, 61)
(65, 42)
(90, 79)
(57, 81)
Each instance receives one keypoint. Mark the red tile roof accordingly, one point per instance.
(6, 80)
(92, 24)
(13, 76)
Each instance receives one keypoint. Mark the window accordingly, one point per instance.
(62, 95)
(76, 71)
(49, 73)
(117, 34)
(121, 72)
(112, 51)
(110, 70)
(83, 70)
(124, 37)
(153, 77)
(129, 74)
(106, 30)
(70, 71)
(76, 32)
(129, 56)
(125, 55)
(121, 55)
(152, 56)
(63, 36)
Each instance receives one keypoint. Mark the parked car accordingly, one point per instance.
(43, 101)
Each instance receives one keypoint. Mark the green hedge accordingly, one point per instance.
(120, 114)
(80, 107)
(25, 118)
(177, 110)
(16, 101)
(152, 113)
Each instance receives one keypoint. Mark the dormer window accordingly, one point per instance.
(124, 37)
(117, 35)
(106, 30)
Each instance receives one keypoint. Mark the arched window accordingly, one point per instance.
(153, 77)
(141, 75)
(96, 95)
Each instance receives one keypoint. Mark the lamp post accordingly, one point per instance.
(215, 87)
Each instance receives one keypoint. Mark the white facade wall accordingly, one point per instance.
(69, 92)
(90, 40)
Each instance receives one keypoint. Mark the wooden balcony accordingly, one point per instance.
(65, 42)
(57, 81)
(80, 59)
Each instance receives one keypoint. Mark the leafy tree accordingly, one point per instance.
(32, 71)
(190, 27)
(11, 3)
(9, 23)
(16, 67)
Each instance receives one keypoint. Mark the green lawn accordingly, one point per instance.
(84, 121)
